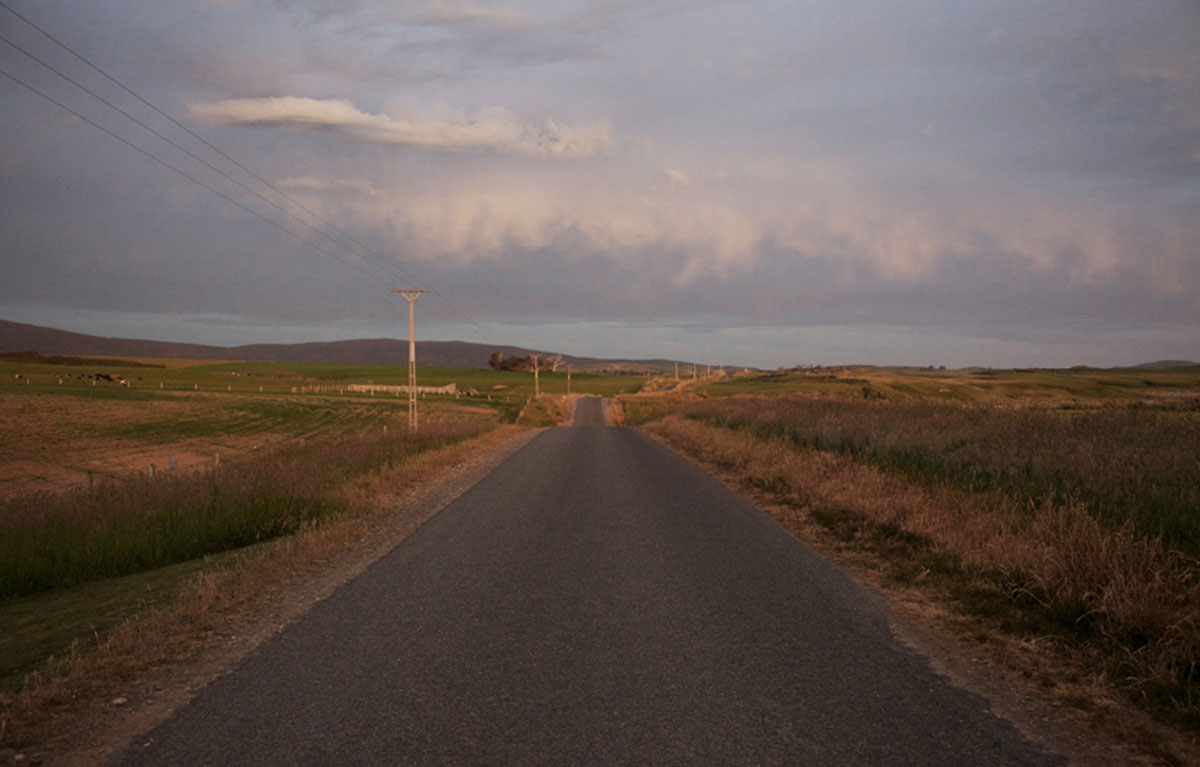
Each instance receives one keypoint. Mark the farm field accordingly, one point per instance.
(60, 425)
(1059, 508)
(121, 481)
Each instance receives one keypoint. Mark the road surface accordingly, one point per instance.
(595, 600)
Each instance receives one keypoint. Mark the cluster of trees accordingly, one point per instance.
(497, 361)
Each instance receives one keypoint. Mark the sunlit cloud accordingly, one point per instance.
(449, 12)
(318, 184)
(677, 177)
(493, 128)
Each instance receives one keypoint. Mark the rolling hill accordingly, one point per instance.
(20, 337)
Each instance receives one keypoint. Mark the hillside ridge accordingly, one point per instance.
(22, 337)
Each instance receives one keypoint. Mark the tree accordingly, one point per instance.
(497, 361)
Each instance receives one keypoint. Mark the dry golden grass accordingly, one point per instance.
(1125, 607)
(1127, 463)
(544, 410)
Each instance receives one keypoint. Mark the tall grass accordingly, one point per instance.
(1126, 464)
(1080, 526)
(56, 540)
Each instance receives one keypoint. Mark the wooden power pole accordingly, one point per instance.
(411, 294)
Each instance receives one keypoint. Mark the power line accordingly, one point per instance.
(178, 124)
(186, 175)
(168, 140)
(381, 261)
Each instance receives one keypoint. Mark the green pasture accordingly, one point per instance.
(51, 624)
(291, 378)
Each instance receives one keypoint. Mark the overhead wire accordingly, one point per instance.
(180, 125)
(167, 139)
(375, 259)
(183, 173)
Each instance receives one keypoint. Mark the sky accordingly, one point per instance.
(1003, 183)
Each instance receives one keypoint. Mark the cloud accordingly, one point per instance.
(483, 217)
(449, 13)
(677, 177)
(494, 128)
(316, 183)
(432, 12)
(637, 213)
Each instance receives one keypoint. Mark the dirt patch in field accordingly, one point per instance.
(53, 442)
(50, 442)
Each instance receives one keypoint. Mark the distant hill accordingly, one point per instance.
(1162, 364)
(19, 337)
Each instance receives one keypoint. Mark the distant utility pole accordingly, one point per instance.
(536, 389)
(676, 371)
(411, 294)
(568, 379)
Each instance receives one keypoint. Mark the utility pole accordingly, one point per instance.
(568, 379)
(411, 294)
(536, 390)
(676, 371)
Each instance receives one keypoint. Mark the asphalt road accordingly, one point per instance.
(595, 600)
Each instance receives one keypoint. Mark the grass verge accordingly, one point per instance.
(543, 410)
(131, 626)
